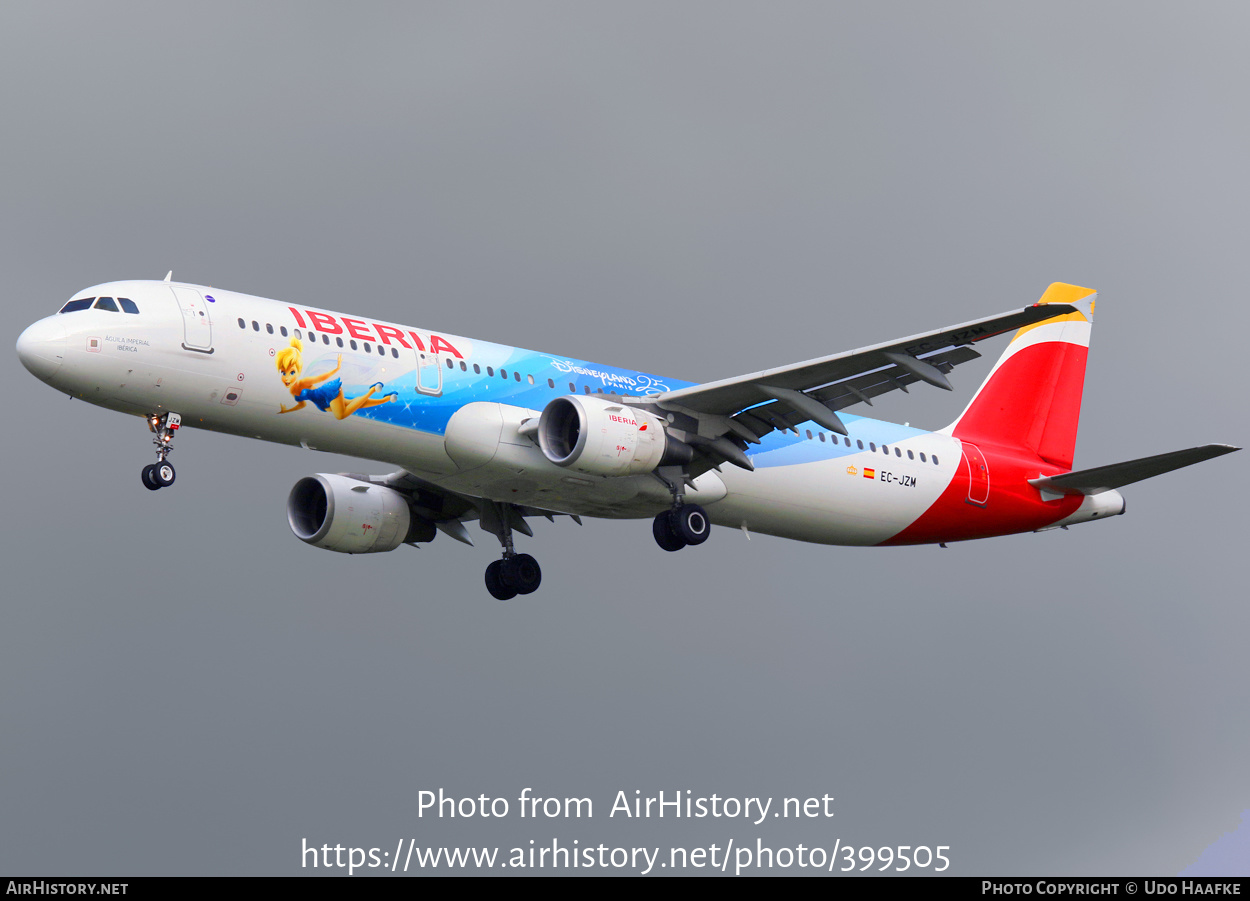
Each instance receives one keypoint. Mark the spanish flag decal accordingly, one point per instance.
(869, 473)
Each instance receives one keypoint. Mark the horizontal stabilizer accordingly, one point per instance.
(1105, 478)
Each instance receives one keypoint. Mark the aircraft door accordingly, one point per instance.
(197, 328)
(978, 475)
(429, 374)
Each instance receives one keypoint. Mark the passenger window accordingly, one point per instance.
(517, 376)
(885, 450)
(353, 344)
(477, 370)
(297, 334)
(586, 389)
(861, 444)
(922, 458)
(128, 305)
(106, 303)
(368, 348)
(269, 327)
(503, 373)
(464, 367)
(75, 305)
(282, 329)
(910, 455)
(338, 340)
(531, 378)
(490, 370)
(872, 447)
(935, 462)
(255, 326)
(572, 389)
(242, 324)
(451, 364)
(899, 453)
(325, 339)
(550, 383)
(395, 352)
(809, 434)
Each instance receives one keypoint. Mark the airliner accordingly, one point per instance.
(499, 435)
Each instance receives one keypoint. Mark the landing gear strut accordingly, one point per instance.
(161, 473)
(515, 573)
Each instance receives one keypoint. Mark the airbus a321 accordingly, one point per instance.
(500, 435)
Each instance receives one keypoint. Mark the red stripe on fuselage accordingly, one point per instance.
(1013, 505)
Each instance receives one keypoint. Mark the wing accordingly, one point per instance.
(750, 406)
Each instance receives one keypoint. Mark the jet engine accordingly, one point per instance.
(352, 517)
(597, 436)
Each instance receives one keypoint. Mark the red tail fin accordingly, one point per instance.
(1032, 398)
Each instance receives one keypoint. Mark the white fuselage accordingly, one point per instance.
(448, 410)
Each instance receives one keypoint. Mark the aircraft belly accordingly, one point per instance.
(854, 500)
(522, 475)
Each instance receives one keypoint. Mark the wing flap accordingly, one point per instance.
(778, 414)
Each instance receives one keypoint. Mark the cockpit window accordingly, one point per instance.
(106, 303)
(81, 303)
(128, 305)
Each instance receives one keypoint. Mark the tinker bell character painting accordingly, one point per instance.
(326, 396)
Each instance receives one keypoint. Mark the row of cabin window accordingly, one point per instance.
(503, 374)
(101, 303)
(451, 364)
(312, 337)
(490, 371)
(873, 447)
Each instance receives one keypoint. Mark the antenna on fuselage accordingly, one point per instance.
(169, 275)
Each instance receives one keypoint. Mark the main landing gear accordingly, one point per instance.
(682, 524)
(515, 573)
(161, 473)
(685, 524)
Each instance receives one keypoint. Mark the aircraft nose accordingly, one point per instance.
(41, 348)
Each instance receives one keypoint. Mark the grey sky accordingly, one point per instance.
(696, 190)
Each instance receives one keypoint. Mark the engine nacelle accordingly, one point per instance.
(352, 517)
(600, 437)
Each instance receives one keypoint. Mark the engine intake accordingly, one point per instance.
(600, 437)
(352, 517)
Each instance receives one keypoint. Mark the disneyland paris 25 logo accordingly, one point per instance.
(638, 381)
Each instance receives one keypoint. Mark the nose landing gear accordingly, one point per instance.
(161, 473)
(158, 475)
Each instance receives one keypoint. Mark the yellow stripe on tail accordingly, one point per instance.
(1062, 293)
